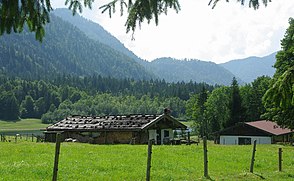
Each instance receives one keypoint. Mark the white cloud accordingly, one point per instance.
(227, 32)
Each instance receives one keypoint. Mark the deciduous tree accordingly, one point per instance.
(9, 109)
(217, 110)
(195, 111)
(279, 99)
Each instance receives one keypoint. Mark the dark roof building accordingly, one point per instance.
(116, 129)
(264, 131)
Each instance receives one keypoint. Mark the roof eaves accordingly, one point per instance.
(159, 118)
(152, 122)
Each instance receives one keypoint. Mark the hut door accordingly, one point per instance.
(244, 141)
(158, 137)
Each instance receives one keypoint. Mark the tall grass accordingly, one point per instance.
(34, 161)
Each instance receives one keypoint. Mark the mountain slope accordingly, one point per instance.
(250, 68)
(174, 70)
(171, 70)
(96, 32)
(64, 50)
(74, 45)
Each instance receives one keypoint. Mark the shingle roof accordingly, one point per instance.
(270, 127)
(123, 122)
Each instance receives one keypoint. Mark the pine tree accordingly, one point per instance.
(237, 111)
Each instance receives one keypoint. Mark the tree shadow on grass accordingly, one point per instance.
(207, 178)
(250, 175)
(260, 176)
(290, 175)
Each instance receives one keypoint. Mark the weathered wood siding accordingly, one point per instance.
(123, 137)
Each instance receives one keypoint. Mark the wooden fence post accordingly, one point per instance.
(280, 159)
(32, 137)
(253, 156)
(57, 150)
(16, 138)
(150, 142)
(205, 157)
(3, 139)
(189, 143)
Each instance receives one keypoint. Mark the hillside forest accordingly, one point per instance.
(53, 100)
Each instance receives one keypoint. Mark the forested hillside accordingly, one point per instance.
(96, 32)
(67, 95)
(174, 70)
(76, 46)
(64, 50)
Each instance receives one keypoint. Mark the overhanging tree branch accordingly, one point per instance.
(14, 14)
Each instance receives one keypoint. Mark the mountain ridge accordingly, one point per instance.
(159, 69)
(75, 45)
(248, 69)
(191, 70)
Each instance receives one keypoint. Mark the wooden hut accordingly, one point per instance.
(135, 129)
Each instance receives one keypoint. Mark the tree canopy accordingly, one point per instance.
(279, 99)
(35, 13)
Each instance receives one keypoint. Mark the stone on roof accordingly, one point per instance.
(124, 122)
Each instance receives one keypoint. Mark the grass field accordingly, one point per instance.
(34, 161)
(24, 124)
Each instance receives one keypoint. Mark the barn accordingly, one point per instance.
(119, 129)
(263, 131)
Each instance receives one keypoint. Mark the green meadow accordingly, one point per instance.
(26, 160)
(24, 124)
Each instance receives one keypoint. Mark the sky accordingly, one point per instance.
(229, 31)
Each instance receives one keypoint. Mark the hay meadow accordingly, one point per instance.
(27, 160)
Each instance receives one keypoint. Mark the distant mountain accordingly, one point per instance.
(250, 68)
(74, 45)
(171, 70)
(64, 50)
(174, 70)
